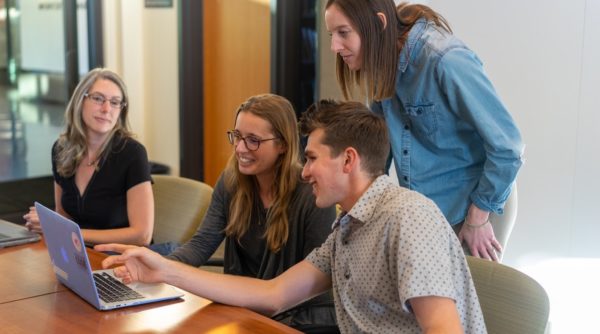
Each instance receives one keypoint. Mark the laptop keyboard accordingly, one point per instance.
(111, 290)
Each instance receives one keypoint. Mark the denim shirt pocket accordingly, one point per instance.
(423, 118)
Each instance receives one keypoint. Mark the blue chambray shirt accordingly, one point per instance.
(452, 138)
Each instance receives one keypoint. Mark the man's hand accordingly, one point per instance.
(138, 264)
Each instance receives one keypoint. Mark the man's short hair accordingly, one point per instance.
(350, 124)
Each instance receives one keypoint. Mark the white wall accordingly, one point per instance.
(539, 55)
(141, 45)
(586, 198)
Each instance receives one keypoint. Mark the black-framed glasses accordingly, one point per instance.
(99, 99)
(252, 143)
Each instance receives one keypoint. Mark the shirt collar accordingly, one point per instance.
(365, 207)
(408, 48)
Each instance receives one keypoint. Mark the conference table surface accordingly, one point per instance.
(33, 301)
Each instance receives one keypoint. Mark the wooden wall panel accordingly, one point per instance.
(236, 66)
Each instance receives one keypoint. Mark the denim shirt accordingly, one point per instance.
(452, 138)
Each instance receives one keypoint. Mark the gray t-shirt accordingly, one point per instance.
(394, 245)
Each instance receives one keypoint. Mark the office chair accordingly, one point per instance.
(503, 224)
(512, 302)
(179, 207)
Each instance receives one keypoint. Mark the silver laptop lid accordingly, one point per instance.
(68, 255)
(72, 267)
(12, 234)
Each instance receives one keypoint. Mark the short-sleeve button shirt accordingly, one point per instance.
(394, 245)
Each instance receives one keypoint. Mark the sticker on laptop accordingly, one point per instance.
(76, 242)
(61, 273)
(79, 257)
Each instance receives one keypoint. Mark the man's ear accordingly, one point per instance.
(383, 19)
(351, 159)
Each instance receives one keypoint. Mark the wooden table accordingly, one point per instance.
(33, 301)
(25, 272)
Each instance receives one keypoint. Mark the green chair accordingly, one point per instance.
(179, 207)
(512, 302)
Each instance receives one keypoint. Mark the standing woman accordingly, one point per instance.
(452, 138)
(262, 208)
(101, 174)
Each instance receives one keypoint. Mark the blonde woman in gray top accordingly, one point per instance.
(263, 210)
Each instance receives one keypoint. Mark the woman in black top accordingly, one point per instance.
(102, 177)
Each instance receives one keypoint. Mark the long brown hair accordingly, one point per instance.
(280, 114)
(380, 46)
(408, 15)
(72, 143)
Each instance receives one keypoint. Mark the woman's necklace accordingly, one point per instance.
(91, 162)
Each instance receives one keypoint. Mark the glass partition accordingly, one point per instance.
(33, 88)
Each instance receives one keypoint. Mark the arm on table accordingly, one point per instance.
(32, 219)
(269, 297)
(140, 213)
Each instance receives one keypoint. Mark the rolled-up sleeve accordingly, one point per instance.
(471, 94)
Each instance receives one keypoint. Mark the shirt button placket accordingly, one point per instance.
(405, 158)
(345, 234)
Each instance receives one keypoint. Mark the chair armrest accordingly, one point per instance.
(215, 261)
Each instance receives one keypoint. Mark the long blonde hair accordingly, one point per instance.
(280, 114)
(71, 147)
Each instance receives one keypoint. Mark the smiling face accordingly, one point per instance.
(345, 40)
(324, 172)
(260, 162)
(101, 119)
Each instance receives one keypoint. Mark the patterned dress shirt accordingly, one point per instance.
(394, 245)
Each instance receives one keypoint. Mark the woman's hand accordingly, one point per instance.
(478, 233)
(32, 220)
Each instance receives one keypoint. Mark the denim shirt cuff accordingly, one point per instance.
(487, 205)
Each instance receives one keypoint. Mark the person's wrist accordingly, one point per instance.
(487, 221)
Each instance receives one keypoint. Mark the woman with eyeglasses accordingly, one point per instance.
(101, 174)
(263, 210)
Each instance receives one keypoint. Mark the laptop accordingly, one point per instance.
(72, 268)
(12, 234)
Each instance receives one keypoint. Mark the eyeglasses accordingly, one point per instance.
(252, 143)
(99, 99)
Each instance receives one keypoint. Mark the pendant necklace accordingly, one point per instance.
(91, 163)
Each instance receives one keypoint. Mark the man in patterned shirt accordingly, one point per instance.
(392, 260)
